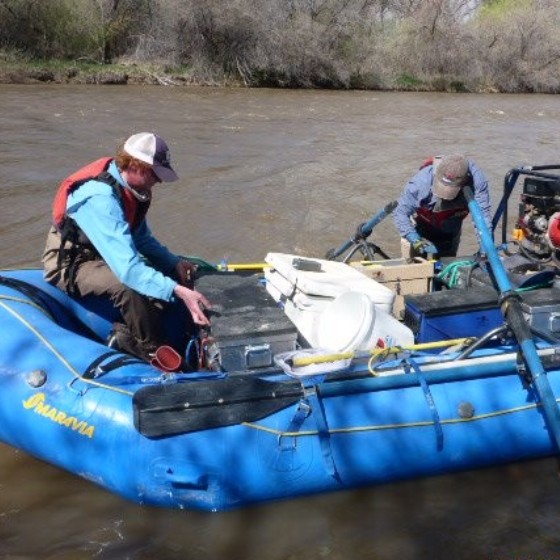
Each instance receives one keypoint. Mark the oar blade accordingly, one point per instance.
(166, 410)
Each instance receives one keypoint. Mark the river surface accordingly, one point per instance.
(267, 170)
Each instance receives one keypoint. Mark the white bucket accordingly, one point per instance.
(346, 322)
(352, 322)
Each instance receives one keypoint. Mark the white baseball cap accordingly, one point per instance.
(151, 148)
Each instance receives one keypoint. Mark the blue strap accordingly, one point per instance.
(286, 459)
(320, 417)
(310, 404)
(430, 401)
(303, 410)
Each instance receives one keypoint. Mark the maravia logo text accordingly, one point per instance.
(37, 404)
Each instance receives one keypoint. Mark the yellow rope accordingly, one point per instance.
(28, 302)
(383, 353)
(406, 425)
(377, 352)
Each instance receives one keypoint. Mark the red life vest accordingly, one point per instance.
(134, 210)
(444, 211)
(428, 161)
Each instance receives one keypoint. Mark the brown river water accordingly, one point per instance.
(267, 170)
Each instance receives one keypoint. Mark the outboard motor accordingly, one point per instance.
(538, 224)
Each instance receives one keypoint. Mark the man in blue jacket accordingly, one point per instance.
(100, 244)
(432, 207)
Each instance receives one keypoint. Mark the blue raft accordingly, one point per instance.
(216, 439)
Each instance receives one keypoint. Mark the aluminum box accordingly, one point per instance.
(248, 328)
(541, 309)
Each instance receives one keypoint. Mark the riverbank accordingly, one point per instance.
(87, 73)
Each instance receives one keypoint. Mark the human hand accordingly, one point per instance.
(424, 246)
(196, 303)
(420, 245)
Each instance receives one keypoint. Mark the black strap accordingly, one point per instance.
(106, 177)
(95, 369)
(32, 292)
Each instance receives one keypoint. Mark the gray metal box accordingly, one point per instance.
(541, 309)
(248, 327)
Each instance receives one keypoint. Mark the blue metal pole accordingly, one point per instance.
(511, 308)
(365, 229)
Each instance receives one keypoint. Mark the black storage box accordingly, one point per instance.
(247, 327)
(452, 313)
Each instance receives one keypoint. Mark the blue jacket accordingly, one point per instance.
(137, 258)
(418, 193)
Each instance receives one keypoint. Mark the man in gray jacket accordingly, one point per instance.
(432, 207)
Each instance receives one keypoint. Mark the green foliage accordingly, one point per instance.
(458, 86)
(406, 81)
(502, 9)
(42, 29)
